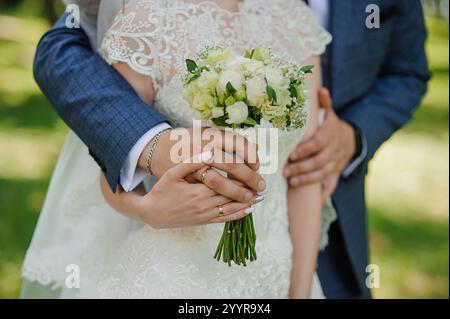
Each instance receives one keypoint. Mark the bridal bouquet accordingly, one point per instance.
(238, 91)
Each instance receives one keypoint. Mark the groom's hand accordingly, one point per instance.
(248, 181)
(324, 156)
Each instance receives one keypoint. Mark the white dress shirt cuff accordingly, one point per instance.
(351, 168)
(131, 175)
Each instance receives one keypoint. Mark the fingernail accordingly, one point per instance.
(249, 210)
(206, 156)
(248, 196)
(259, 199)
(262, 185)
(263, 193)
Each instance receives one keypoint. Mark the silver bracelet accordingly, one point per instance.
(152, 151)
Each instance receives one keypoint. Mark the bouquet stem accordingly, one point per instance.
(238, 242)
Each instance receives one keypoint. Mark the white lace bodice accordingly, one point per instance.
(155, 37)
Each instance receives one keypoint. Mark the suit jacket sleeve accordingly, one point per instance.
(92, 98)
(401, 83)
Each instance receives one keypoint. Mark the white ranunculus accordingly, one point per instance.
(256, 90)
(261, 54)
(283, 97)
(236, 79)
(271, 111)
(190, 92)
(203, 105)
(237, 113)
(208, 81)
(218, 55)
(275, 78)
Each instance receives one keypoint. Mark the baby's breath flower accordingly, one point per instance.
(279, 122)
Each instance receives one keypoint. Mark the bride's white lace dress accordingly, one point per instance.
(120, 258)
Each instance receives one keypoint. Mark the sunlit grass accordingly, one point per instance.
(407, 185)
(408, 189)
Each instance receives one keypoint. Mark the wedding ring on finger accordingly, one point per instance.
(204, 175)
(221, 211)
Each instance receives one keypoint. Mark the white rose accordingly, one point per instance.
(237, 113)
(217, 112)
(236, 63)
(275, 78)
(235, 78)
(252, 66)
(256, 90)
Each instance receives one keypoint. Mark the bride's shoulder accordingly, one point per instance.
(130, 17)
(291, 9)
(277, 7)
(288, 20)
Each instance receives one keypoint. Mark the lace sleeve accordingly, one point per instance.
(296, 26)
(132, 37)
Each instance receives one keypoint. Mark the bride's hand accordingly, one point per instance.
(175, 203)
(223, 142)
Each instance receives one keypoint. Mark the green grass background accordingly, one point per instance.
(407, 184)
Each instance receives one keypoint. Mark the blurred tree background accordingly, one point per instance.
(407, 185)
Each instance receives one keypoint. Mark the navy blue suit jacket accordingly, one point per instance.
(95, 101)
(377, 77)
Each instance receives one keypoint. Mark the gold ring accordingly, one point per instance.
(221, 212)
(204, 175)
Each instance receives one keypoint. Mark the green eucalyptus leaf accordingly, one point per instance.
(271, 93)
(252, 54)
(193, 78)
(250, 122)
(221, 121)
(254, 113)
(307, 69)
(293, 91)
(191, 66)
(230, 89)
